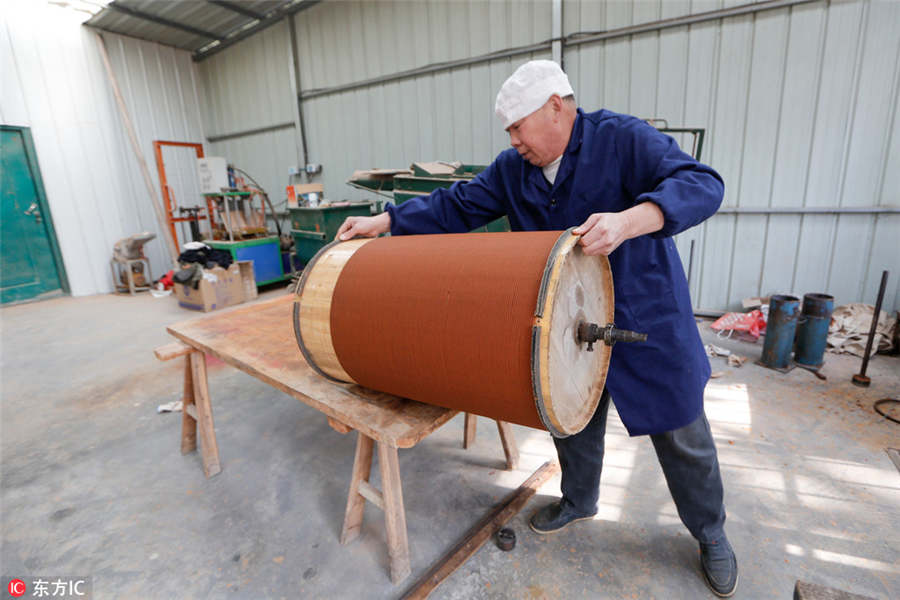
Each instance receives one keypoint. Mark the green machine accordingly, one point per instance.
(315, 226)
(419, 180)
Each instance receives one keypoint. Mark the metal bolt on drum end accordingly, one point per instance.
(591, 332)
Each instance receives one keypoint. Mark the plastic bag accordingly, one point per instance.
(752, 323)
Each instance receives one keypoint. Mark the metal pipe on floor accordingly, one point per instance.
(860, 378)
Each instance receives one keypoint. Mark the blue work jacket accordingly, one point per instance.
(612, 162)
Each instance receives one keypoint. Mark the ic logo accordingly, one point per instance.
(16, 588)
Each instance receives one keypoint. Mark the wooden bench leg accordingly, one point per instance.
(209, 450)
(469, 430)
(356, 503)
(395, 517)
(509, 445)
(188, 422)
(389, 499)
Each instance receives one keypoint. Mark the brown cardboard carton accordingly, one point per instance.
(298, 194)
(248, 279)
(227, 289)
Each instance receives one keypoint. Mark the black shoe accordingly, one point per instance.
(719, 567)
(554, 517)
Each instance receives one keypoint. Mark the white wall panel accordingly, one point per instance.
(158, 85)
(799, 104)
(54, 82)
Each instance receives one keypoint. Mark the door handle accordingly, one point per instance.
(34, 210)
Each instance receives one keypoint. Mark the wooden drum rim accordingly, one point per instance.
(542, 330)
(337, 374)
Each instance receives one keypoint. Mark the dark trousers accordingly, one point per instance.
(688, 459)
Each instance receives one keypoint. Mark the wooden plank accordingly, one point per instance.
(481, 532)
(236, 338)
(469, 430)
(188, 415)
(814, 591)
(209, 449)
(362, 466)
(394, 515)
(510, 449)
(170, 351)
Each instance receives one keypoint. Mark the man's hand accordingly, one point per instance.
(604, 232)
(364, 227)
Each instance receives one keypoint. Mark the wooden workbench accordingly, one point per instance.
(259, 339)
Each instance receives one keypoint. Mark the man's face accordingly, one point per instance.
(532, 136)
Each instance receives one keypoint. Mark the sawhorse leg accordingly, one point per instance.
(188, 423)
(389, 499)
(506, 438)
(196, 405)
(209, 449)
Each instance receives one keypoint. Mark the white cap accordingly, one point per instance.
(529, 88)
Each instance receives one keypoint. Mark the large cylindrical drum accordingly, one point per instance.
(812, 331)
(780, 329)
(485, 323)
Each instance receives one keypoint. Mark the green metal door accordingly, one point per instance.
(30, 264)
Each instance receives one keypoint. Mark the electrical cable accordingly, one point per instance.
(881, 412)
(265, 197)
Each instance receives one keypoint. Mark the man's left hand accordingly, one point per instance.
(602, 233)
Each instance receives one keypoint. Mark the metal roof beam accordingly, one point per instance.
(287, 9)
(139, 14)
(236, 7)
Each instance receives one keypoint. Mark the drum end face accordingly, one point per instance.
(568, 378)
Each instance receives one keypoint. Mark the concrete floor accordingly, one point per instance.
(92, 482)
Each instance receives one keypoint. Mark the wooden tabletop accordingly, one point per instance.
(259, 339)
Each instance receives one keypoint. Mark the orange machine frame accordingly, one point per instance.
(171, 219)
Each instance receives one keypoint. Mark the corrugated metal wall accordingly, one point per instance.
(799, 104)
(54, 82)
(442, 116)
(252, 89)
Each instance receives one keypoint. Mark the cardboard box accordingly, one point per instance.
(248, 280)
(299, 194)
(218, 288)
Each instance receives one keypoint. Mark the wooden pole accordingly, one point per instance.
(148, 181)
(480, 533)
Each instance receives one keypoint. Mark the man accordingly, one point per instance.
(628, 188)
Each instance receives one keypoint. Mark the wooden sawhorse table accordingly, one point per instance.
(259, 339)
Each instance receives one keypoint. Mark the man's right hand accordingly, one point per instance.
(364, 227)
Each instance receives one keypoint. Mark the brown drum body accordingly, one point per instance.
(483, 323)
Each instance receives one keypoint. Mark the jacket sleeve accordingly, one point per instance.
(655, 169)
(463, 207)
